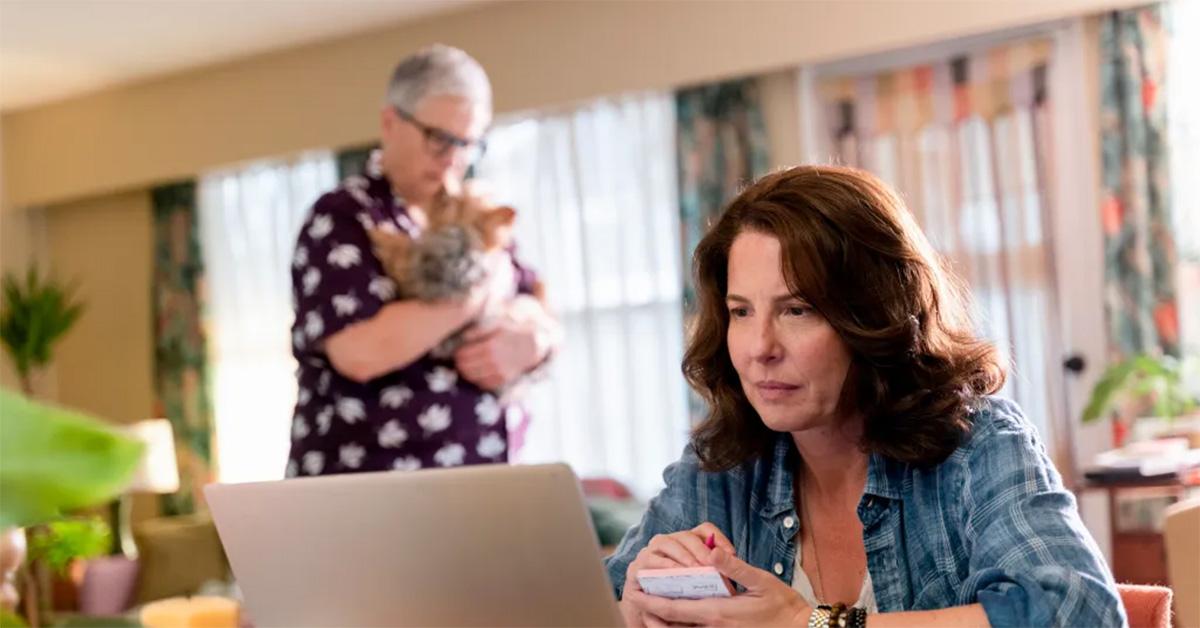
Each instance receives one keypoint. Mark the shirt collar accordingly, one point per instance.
(781, 478)
(390, 205)
(884, 478)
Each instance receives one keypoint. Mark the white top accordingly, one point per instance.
(802, 585)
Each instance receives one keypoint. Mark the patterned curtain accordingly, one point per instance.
(964, 139)
(722, 147)
(352, 161)
(180, 357)
(1139, 248)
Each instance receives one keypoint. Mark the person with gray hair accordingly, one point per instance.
(374, 394)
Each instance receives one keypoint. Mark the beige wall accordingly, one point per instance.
(103, 366)
(781, 116)
(538, 53)
(22, 242)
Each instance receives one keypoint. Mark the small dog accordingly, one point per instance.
(448, 259)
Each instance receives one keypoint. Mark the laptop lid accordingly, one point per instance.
(491, 545)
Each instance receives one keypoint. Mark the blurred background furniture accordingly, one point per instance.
(1146, 606)
(1182, 534)
(178, 556)
(1136, 512)
(158, 473)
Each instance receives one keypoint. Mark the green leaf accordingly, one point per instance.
(1106, 388)
(54, 460)
(1158, 380)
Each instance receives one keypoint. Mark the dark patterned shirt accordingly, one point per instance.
(422, 415)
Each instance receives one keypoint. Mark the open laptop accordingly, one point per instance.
(491, 545)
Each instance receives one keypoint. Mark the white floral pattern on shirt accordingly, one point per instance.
(451, 455)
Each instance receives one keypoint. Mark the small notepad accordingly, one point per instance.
(692, 583)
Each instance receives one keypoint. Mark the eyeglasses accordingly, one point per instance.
(439, 142)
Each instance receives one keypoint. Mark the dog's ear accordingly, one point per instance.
(495, 227)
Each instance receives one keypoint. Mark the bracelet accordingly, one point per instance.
(837, 616)
(819, 618)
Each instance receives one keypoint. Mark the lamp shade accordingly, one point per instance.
(158, 471)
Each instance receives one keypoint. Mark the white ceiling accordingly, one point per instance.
(54, 49)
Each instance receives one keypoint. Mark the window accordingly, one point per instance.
(595, 191)
(597, 216)
(970, 159)
(1183, 116)
(249, 220)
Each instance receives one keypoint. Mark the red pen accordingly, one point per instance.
(711, 542)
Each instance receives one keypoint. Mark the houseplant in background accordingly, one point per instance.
(63, 546)
(1143, 384)
(34, 315)
(55, 461)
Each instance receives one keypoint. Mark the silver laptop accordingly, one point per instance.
(492, 545)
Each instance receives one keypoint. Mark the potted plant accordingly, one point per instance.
(62, 546)
(1139, 385)
(53, 462)
(34, 315)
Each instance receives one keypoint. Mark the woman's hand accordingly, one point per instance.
(664, 551)
(766, 601)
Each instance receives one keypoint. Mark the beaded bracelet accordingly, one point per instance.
(837, 616)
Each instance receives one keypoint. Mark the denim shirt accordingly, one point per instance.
(991, 524)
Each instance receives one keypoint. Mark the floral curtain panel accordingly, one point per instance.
(352, 161)
(1139, 247)
(180, 355)
(721, 146)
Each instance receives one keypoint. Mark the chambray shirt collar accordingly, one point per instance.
(781, 482)
(884, 478)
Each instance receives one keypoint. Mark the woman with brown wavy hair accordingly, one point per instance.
(854, 468)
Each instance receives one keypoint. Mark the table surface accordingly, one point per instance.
(1187, 478)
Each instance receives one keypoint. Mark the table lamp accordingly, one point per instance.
(157, 473)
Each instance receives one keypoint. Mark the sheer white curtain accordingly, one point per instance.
(598, 217)
(983, 208)
(249, 219)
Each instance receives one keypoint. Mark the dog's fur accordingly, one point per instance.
(446, 261)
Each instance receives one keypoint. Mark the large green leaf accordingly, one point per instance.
(54, 460)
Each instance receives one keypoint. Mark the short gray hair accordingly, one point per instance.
(438, 70)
